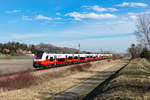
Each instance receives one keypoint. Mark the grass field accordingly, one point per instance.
(132, 83)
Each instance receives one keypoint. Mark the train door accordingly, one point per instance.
(55, 57)
(78, 58)
(66, 59)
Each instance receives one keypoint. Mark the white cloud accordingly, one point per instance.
(132, 4)
(27, 18)
(100, 9)
(112, 9)
(92, 15)
(23, 36)
(117, 44)
(119, 22)
(57, 18)
(13, 11)
(98, 28)
(41, 17)
(133, 16)
(147, 12)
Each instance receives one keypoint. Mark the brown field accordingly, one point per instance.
(50, 81)
(12, 66)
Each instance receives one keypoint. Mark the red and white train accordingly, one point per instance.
(43, 59)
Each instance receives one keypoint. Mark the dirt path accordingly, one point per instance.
(84, 90)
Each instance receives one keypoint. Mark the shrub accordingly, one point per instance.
(145, 53)
(18, 80)
(80, 67)
(135, 51)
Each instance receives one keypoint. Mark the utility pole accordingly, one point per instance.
(79, 46)
(101, 50)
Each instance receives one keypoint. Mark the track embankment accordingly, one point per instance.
(87, 89)
(131, 83)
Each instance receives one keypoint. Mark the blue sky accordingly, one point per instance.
(95, 24)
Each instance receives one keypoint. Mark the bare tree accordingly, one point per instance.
(139, 49)
(132, 51)
(135, 50)
(143, 30)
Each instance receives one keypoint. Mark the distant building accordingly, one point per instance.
(6, 50)
(29, 52)
(20, 51)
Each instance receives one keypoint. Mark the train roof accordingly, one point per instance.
(83, 55)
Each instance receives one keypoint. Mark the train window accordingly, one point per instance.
(82, 58)
(75, 57)
(61, 59)
(39, 54)
(46, 57)
(51, 58)
(70, 58)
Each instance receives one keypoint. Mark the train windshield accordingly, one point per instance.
(39, 54)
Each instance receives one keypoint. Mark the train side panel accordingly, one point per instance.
(43, 59)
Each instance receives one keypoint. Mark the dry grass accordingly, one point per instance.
(55, 80)
(80, 67)
(18, 80)
(132, 83)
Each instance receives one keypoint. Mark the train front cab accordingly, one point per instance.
(42, 59)
(38, 58)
